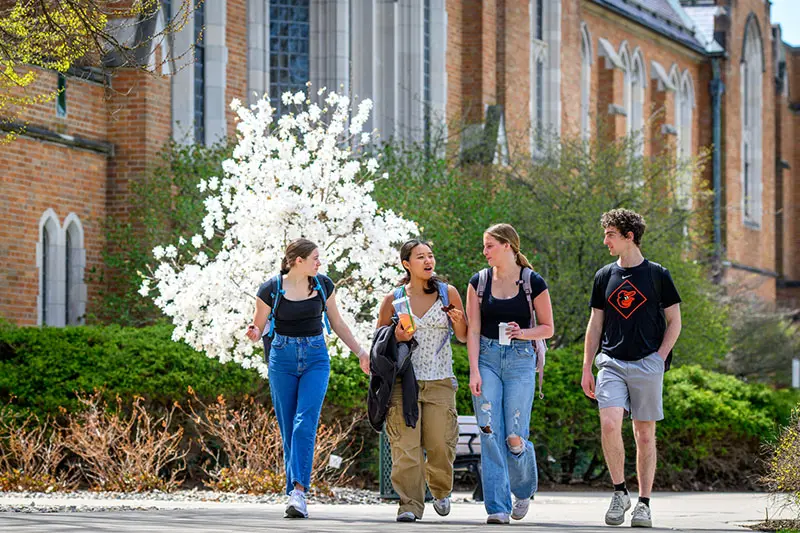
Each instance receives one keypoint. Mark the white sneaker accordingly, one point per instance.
(407, 516)
(620, 503)
(296, 508)
(641, 516)
(520, 509)
(497, 518)
(442, 507)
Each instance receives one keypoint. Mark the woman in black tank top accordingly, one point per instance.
(502, 363)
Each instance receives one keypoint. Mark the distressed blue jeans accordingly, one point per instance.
(299, 368)
(503, 410)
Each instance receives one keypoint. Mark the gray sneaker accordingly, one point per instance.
(620, 503)
(406, 516)
(497, 518)
(442, 507)
(297, 505)
(520, 509)
(641, 516)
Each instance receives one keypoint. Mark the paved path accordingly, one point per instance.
(571, 512)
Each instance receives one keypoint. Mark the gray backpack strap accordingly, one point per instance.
(483, 279)
(539, 345)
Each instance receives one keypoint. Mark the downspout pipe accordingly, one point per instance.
(717, 89)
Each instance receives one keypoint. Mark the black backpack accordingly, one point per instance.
(656, 272)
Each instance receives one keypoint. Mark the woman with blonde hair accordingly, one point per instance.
(509, 313)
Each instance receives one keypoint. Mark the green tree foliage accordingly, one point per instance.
(57, 35)
(164, 203)
(555, 202)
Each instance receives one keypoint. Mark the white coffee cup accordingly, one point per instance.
(505, 340)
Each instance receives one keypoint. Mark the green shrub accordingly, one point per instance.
(43, 368)
(711, 435)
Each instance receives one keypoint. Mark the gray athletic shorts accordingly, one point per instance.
(635, 386)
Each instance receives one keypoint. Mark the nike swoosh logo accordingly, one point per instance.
(626, 277)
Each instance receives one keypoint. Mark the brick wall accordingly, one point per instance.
(36, 176)
(752, 247)
(455, 63)
(514, 85)
(139, 125)
(607, 84)
(236, 72)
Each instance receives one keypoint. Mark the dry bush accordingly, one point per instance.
(333, 439)
(783, 468)
(244, 445)
(246, 450)
(125, 452)
(32, 454)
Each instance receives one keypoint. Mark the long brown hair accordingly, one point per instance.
(506, 234)
(405, 255)
(298, 248)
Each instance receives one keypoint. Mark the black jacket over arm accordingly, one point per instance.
(389, 359)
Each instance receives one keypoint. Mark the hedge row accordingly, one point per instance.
(712, 435)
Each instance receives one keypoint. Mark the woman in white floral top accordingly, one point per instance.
(436, 433)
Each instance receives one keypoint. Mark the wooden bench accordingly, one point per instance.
(468, 451)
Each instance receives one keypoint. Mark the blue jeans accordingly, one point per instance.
(298, 378)
(503, 410)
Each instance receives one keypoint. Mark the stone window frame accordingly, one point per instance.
(75, 265)
(638, 84)
(751, 72)
(545, 73)
(214, 72)
(675, 83)
(587, 59)
(684, 112)
(57, 288)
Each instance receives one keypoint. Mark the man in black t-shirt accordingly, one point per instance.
(634, 324)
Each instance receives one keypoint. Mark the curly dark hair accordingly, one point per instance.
(625, 220)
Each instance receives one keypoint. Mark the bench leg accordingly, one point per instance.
(477, 494)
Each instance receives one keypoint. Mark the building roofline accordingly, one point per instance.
(696, 48)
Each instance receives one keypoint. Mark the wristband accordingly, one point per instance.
(361, 352)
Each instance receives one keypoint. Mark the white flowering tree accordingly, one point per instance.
(303, 175)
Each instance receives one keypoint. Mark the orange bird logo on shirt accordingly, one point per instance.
(625, 298)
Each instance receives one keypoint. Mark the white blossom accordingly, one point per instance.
(144, 290)
(299, 180)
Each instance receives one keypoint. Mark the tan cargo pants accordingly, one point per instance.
(436, 433)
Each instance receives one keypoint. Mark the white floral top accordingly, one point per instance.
(433, 333)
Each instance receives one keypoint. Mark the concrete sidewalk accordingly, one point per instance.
(575, 512)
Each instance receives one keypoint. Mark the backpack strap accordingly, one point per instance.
(605, 279)
(276, 299)
(483, 280)
(656, 273)
(539, 345)
(444, 295)
(320, 288)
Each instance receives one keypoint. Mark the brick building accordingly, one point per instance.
(689, 74)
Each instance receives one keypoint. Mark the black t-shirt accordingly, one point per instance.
(633, 326)
(301, 318)
(515, 309)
